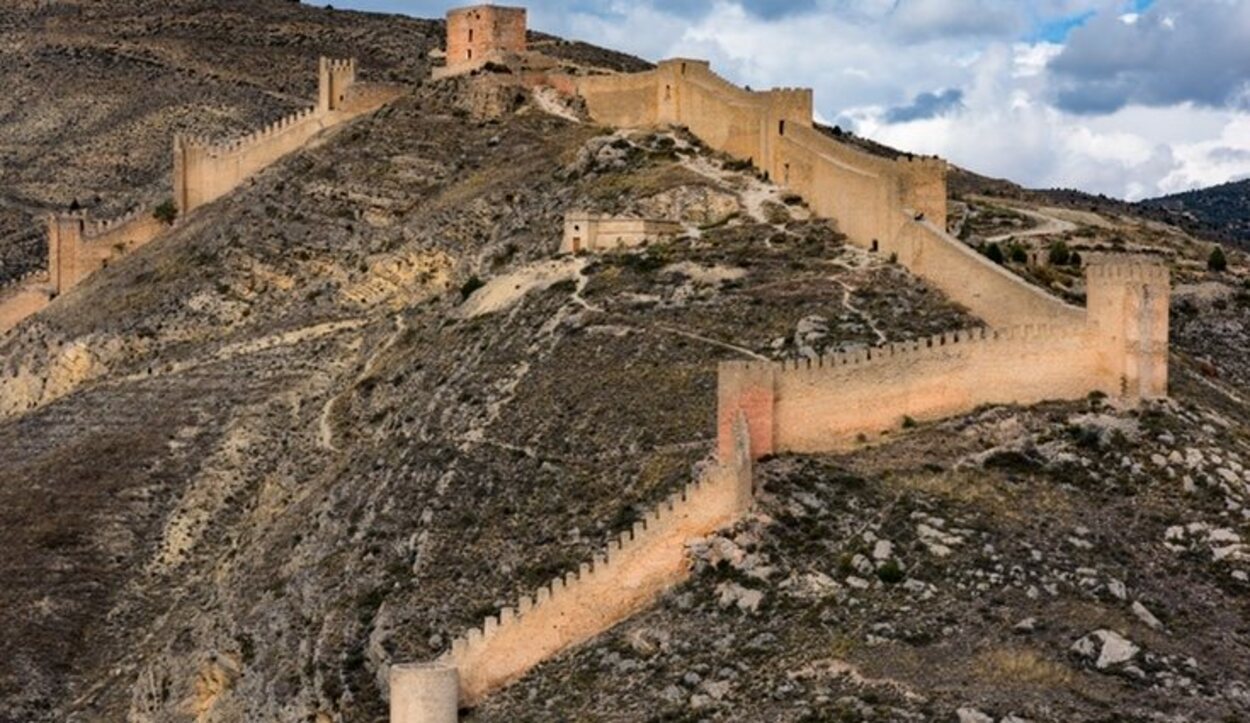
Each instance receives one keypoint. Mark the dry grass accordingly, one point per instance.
(985, 492)
(1020, 668)
(646, 182)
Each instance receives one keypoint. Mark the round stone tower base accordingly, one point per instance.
(425, 693)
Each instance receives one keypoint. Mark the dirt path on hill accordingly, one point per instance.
(1049, 226)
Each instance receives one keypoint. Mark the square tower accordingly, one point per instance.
(476, 34)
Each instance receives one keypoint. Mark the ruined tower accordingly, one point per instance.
(478, 33)
(1128, 307)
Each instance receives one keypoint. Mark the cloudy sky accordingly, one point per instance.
(1132, 98)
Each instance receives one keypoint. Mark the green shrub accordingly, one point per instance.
(909, 423)
(166, 212)
(643, 263)
(1060, 255)
(1018, 254)
(1217, 262)
(891, 573)
(994, 253)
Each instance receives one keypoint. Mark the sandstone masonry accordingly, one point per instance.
(593, 232)
(482, 34)
(831, 403)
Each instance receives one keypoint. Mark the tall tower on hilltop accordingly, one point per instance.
(478, 33)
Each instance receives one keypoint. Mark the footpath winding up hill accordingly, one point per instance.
(339, 416)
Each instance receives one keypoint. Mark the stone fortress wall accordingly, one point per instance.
(627, 577)
(892, 206)
(78, 248)
(203, 172)
(831, 403)
(593, 232)
(24, 297)
(1040, 349)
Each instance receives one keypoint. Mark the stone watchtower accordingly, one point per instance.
(478, 33)
(334, 77)
(1127, 304)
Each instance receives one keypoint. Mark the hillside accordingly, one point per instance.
(1221, 211)
(96, 91)
(339, 416)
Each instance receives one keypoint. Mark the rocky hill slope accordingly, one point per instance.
(1222, 211)
(95, 91)
(339, 416)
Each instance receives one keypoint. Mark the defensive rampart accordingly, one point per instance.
(24, 297)
(892, 206)
(633, 571)
(205, 171)
(78, 248)
(827, 404)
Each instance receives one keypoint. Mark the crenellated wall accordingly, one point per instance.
(205, 171)
(23, 297)
(78, 248)
(891, 206)
(994, 293)
(628, 576)
(826, 404)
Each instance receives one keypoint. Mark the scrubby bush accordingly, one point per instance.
(1217, 261)
(166, 212)
(891, 573)
(1059, 254)
(995, 253)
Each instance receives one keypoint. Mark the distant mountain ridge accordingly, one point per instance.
(1221, 212)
